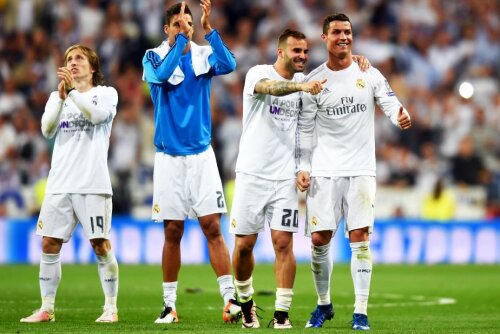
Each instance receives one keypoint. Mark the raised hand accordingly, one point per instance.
(404, 120)
(66, 83)
(185, 27)
(61, 89)
(206, 8)
(314, 87)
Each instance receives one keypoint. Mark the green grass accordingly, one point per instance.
(403, 300)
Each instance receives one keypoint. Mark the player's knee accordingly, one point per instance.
(210, 226)
(173, 232)
(213, 232)
(244, 247)
(51, 245)
(282, 245)
(100, 246)
(320, 239)
(359, 235)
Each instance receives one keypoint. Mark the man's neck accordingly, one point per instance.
(282, 71)
(338, 64)
(83, 85)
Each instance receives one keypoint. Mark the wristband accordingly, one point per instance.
(69, 91)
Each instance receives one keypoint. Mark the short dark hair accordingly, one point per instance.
(334, 17)
(290, 33)
(174, 10)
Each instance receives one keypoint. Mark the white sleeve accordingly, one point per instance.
(101, 111)
(305, 131)
(253, 76)
(51, 115)
(384, 96)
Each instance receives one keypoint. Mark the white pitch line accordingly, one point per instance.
(416, 300)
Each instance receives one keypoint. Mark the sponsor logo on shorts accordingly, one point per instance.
(367, 271)
(156, 208)
(314, 221)
(360, 83)
(39, 224)
(233, 223)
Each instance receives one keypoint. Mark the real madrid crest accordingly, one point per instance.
(360, 83)
(39, 224)
(314, 221)
(233, 223)
(156, 208)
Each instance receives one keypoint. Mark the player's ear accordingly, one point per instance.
(280, 52)
(323, 37)
(165, 29)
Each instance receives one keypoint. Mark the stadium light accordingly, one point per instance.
(466, 90)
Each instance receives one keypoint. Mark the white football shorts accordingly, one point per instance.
(331, 198)
(60, 214)
(186, 186)
(257, 201)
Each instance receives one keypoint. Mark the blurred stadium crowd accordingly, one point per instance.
(426, 49)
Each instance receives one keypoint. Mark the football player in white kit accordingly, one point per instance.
(79, 114)
(265, 189)
(336, 146)
(265, 172)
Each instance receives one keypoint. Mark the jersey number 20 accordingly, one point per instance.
(287, 218)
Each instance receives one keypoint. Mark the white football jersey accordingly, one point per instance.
(267, 144)
(80, 157)
(336, 135)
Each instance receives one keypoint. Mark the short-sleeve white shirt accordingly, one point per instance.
(267, 144)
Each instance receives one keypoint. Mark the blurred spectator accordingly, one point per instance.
(432, 167)
(7, 138)
(439, 204)
(124, 155)
(467, 168)
(425, 48)
(10, 98)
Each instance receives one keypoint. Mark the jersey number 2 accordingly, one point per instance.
(220, 199)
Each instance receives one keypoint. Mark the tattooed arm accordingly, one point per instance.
(281, 88)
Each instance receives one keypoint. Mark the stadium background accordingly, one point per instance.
(426, 48)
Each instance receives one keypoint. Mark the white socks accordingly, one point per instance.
(361, 271)
(170, 294)
(244, 289)
(50, 276)
(283, 299)
(226, 288)
(108, 274)
(321, 266)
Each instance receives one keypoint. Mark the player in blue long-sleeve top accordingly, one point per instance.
(186, 179)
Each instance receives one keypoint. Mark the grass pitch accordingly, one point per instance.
(404, 299)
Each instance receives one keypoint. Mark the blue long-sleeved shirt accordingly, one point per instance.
(182, 112)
